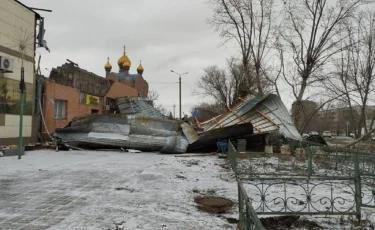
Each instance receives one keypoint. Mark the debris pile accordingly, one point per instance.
(141, 126)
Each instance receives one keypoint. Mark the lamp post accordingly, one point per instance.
(179, 83)
(22, 96)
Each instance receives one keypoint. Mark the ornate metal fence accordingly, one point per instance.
(311, 181)
(248, 218)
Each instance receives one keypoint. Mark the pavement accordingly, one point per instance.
(98, 189)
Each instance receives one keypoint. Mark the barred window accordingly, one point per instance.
(60, 108)
(82, 98)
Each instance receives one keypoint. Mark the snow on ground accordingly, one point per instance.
(92, 190)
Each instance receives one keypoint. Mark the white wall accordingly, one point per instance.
(17, 23)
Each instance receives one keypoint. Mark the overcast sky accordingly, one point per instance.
(164, 34)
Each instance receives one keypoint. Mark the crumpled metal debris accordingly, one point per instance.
(266, 113)
(129, 131)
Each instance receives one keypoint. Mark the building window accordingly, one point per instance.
(82, 98)
(60, 109)
(10, 97)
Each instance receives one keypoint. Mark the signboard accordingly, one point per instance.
(195, 113)
(92, 100)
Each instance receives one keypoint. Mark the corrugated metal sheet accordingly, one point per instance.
(267, 114)
(129, 131)
(137, 107)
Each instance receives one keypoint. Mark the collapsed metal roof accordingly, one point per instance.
(136, 106)
(267, 114)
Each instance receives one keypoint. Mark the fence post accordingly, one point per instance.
(358, 192)
(240, 206)
(249, 221)
(309, 162)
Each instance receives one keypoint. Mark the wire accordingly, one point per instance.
(168, 86)
(44, 122)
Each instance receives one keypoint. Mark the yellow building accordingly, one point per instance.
(17, 43)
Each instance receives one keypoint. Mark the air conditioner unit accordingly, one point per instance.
(6, 64)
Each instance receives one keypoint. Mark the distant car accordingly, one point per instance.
(305, 135)
(313, 133)
(327, 134)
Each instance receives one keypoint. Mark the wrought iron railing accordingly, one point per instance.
(287, 196)
(310, 181)
(248, 218)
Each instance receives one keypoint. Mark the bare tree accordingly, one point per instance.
(152, 95)
(216, 83)
(355, 75)
(249, 24)
(162, 109)
(207, 110)
(310, 38)
(309, 42)
(224, 85)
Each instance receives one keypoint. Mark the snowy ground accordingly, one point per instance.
(92, 190)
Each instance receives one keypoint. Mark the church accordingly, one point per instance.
(124, 76)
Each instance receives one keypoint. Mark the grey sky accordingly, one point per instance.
(164, 34)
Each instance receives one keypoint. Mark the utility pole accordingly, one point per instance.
(179, 82)
(174, 112)
(179, 85)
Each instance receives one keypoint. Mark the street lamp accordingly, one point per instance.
(179, 82)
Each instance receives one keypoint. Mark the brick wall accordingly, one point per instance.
(53, 91)
(141, 85)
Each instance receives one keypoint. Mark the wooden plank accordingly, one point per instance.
(217, 123)
(243, 120)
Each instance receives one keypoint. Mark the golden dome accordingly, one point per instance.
(140, 67)
(108, 65)
(123, 59)
(127, 63)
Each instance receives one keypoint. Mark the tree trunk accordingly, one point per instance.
(258, 79)
(360, 139)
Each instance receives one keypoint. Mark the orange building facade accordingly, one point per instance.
(63, 103)
(73, 92)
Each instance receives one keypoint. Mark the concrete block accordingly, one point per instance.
(268, 149)
(300, 151)
(285, 149)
